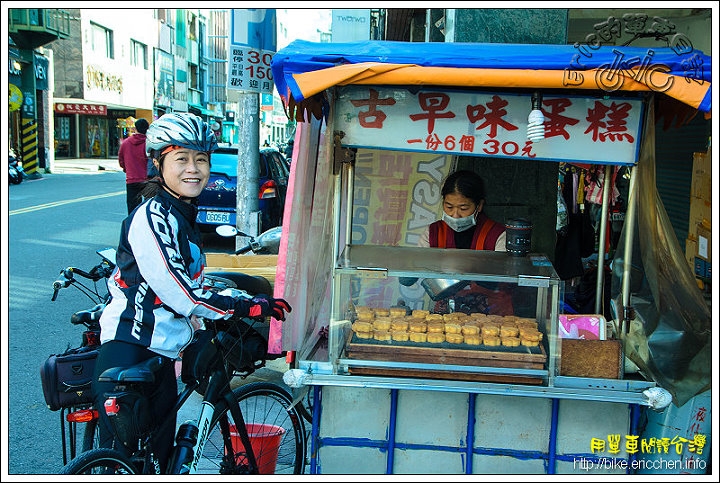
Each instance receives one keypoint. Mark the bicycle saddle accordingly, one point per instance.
(141, 372)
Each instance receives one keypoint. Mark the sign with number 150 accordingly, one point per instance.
(252, 46)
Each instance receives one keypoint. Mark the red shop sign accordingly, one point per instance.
(89, 109)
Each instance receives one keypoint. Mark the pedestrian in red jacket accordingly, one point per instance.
(133, 161)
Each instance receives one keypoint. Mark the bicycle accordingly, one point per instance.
(74, 413)
(227, 437)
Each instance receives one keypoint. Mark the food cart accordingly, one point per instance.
(380, 124)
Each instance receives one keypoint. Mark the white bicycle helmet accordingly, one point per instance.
(181, 129)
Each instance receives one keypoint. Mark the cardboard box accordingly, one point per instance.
(263, 265)
(700, 209)
(690, 251)
(701, 176)
(592, 358)
(704, 242)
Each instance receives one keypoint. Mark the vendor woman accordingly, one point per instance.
(464, 225)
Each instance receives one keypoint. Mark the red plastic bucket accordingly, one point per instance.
(265, 440)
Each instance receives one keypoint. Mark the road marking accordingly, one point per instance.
(30, 209)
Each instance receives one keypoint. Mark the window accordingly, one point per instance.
(180, 29)
(193, 76)
(101, 40)
(192, 26)
(138, 54)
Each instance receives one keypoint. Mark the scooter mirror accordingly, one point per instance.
(227, 230)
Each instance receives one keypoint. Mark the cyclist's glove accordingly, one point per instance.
(262, 306)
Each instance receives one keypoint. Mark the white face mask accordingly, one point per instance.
(459, 224)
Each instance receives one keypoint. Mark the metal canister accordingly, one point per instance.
(518, 233)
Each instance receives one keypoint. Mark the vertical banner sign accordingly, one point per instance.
(253, 42)
(397, 194)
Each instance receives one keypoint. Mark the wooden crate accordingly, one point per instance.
(448, 354)
(263, 265)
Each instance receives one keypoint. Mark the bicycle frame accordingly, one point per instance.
(219, 404)
(220, 383)
(218, 392)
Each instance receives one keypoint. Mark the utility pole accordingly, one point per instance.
(253, 41)
(248, 213)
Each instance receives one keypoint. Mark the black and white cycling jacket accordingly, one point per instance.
(157, 284)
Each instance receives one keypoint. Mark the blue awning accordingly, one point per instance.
(303, 69)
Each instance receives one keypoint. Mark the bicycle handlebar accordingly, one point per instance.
(97, 273)
(92, 275)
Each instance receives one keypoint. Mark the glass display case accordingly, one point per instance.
(405, 312)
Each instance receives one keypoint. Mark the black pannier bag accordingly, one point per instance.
(133, 419)
(67, 378)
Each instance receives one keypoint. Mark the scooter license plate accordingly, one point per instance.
(217, 217)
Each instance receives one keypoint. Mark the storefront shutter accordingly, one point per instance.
(674, 150)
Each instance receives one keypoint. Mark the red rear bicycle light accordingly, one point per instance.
(111, 406)
(267, 190)
(82, 416)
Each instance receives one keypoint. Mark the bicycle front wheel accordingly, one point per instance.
(101, 461)
(279, 433)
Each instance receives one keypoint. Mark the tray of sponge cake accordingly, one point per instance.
(418, 336)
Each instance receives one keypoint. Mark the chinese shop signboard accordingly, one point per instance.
(89, 109)
(577, 129)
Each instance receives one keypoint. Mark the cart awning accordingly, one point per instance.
(303, 69)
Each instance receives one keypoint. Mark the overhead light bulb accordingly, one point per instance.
(536, 120)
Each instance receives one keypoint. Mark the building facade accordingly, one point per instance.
(116, 65)
(29, 81)
(103, 76)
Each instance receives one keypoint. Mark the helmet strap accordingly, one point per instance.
(169, 189)
(173, 192)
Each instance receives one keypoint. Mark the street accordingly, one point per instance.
(57, 221)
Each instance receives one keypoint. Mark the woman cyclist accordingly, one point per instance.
(158, 300)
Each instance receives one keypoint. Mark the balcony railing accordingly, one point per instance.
(34, 27)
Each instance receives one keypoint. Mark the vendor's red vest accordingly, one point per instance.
(485, 236)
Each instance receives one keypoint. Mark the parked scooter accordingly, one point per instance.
(267, 242)
(16, 172)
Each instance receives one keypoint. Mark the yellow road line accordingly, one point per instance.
(65, 202)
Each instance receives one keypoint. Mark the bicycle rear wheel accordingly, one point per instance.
(91, 439)
(101, 461)
(269, 405)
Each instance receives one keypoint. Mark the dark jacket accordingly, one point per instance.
(157, 285)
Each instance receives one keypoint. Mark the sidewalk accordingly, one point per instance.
(80, 165)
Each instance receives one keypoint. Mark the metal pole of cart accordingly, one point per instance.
(600, 288)
(627, 260)
(350, 173)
